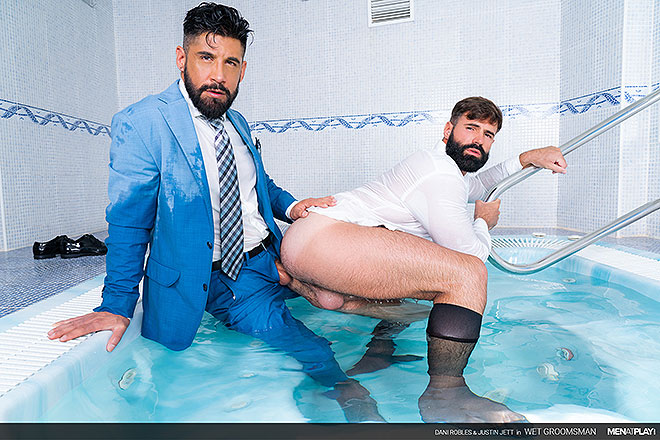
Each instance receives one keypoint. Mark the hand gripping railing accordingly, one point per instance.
(566, 148)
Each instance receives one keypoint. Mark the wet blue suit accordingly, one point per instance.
(159, 197)
(254, 304)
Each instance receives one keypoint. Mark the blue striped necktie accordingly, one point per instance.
(231, 218)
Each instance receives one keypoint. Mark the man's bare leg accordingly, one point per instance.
(404, 312)
(337, 265)
(336, 257)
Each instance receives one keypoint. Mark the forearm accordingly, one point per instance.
(479, 184)
(124, 269)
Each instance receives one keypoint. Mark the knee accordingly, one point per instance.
(476, 282)
(479, 271)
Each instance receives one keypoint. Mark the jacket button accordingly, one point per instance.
(205, 287)
(208, 243)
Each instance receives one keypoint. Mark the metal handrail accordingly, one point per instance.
(566, 148)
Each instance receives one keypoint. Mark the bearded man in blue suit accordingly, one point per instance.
(187, 181)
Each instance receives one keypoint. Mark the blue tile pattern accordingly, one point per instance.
(580, 105)
(39, 116)
(25, 281)
(355, 122)
(606, 98)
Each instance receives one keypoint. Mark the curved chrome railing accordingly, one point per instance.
(566, 148)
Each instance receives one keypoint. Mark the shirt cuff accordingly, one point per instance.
(288, 210)
(480, 228)
(480, 225)
(513, 165)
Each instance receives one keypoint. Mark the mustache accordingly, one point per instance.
(476, 147)
(215, 88)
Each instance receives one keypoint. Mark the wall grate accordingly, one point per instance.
(389, 11)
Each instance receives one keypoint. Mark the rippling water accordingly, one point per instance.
(554, 341)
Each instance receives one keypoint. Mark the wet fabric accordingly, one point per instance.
(254, 304)
(454, 323)
(425, 195)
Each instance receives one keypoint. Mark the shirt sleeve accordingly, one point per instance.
(479, 184)
(439, 203)
(288, 210)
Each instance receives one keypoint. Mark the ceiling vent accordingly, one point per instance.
(389, 11)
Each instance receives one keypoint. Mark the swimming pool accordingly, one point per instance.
(576, 342)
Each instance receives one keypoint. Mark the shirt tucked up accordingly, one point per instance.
(425, 195)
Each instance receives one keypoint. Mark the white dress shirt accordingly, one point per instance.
(254, 226)
(425, 195)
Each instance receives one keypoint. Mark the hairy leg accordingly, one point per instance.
(329, 259)
(345, 267)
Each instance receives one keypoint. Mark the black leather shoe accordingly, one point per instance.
(85, 245)
(48, 249)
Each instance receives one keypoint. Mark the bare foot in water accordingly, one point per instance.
(448, 399)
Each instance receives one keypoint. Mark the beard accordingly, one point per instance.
(211, 108)
(465, 162)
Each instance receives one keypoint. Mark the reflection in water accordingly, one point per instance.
(380, 350)
(447, 397)
(318, 361)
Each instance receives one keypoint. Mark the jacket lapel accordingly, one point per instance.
(243, 131)
(244, 134)
(178, 118)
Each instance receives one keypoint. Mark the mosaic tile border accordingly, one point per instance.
(356, 122)
(580, 105)
(40, 116)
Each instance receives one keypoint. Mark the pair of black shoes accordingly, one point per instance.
(68, 248)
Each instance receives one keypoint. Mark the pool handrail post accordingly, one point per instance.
(566, 148)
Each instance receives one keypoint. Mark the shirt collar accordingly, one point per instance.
(194, 112)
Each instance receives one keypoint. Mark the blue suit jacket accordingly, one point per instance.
(159, 196)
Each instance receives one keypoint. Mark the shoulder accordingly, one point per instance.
(139, 110)
(150, 105)
(238, 118)
(432, 161)
(443, 162)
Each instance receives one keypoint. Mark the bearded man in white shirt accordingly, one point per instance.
(428, 245)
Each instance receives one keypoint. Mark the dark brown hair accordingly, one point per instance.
(212, 18)
(478, 108)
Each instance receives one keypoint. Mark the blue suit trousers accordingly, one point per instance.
(253, 304)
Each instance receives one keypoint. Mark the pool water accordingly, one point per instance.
(549, 341)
